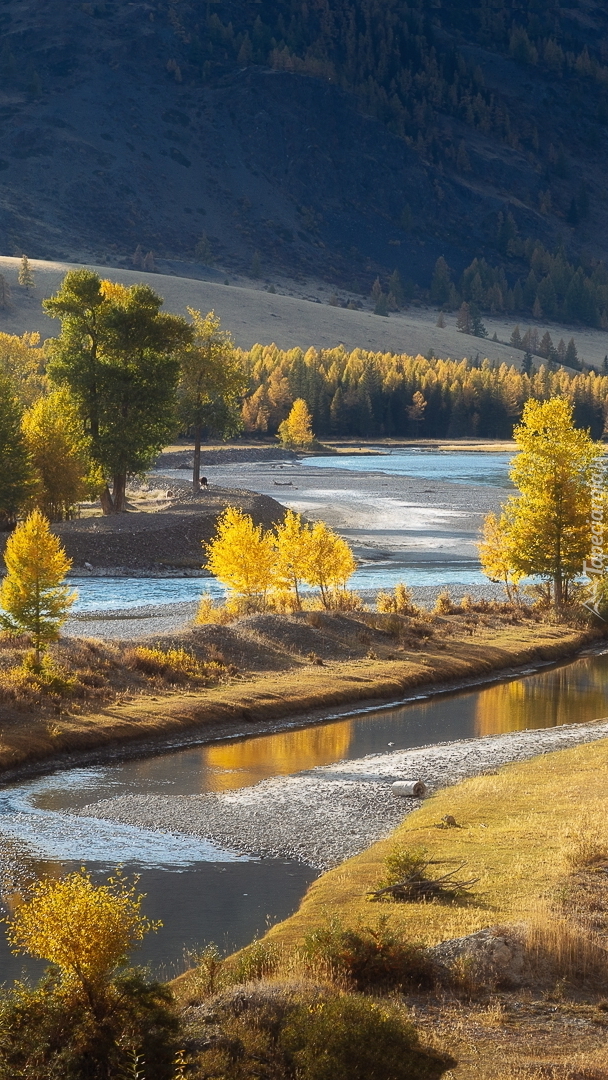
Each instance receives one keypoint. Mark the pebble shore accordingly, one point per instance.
(332, 812)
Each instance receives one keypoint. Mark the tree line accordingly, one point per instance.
(365, 394)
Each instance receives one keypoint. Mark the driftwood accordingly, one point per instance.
(417, 886)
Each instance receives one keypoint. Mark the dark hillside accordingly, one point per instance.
(341, 138)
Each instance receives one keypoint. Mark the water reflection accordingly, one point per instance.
(242, 764)
(566, 695)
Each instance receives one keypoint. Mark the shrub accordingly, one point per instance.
(399, 602)
(368, 957)
(443, 603)
(172, 665)
(49, 1034)
(355, 1038)
(403, 862)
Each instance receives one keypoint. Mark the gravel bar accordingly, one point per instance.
(332, 812)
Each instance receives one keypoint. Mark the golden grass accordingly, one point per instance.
(142, 713)
(518, 830)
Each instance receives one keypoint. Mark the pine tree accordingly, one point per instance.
(33, 595)
(26, 274)
(515, 340)
(463, 319)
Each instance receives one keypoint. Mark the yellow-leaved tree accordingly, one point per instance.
(59, 452)
(293, 549)
(544, 531)
(242, 556)
(495, 554)
(330, 561)
(85, 930)
(33, 596)
(296, 430)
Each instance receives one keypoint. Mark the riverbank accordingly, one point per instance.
(527, 994)
(292, 690)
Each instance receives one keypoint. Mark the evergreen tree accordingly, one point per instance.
(26, 274)
(441, 282)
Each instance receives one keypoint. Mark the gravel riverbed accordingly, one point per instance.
(330, 813)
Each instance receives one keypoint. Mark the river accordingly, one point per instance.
(203, 893)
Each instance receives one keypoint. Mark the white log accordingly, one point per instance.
(414, 788)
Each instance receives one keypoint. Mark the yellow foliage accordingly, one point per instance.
(32, 595)
(242, 555)
(296, 430)
(330, 561)
(85, 929)
(59, 453)
(495, 556)
(22, 360)
(546, 531)
(294, 551)
(399, 602)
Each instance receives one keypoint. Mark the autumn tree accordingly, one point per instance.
(33, 597)
(495, 554)
(16, 476)
(118, 355)
(84, 930)
(545, 530)
(294, 553)
(330, 561)
(91, 1017)
(242, 556)
(25, 276)
(211, 384)
(59, 453)
(22, 361)
(296, 430)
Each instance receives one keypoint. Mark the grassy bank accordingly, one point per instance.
(535, 836)
(456, 650)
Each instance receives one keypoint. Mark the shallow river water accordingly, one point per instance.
(203, 893)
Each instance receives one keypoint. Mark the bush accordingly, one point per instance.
(49, 1034)
(355, 1038)
(399, 602)
(368, 957)
(172, 665)
(402, 863)
(443, 603)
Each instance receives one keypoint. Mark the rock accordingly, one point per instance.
(492, 957)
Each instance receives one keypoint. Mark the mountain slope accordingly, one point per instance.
(341, 138)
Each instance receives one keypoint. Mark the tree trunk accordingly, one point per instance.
(196, 472)
(558, 592)
(107, 502)
(119, 487)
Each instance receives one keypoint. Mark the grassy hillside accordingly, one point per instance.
(253, 315)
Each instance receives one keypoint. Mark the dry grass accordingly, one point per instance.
(112, 702)
(543, 867)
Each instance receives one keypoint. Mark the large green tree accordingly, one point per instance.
(118, 354)
(16, 476)
(212, 382)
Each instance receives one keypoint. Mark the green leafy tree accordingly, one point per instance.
(16, 476)
(118, 355)
(33, 595)
(211, 385)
